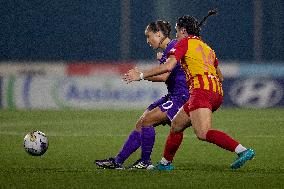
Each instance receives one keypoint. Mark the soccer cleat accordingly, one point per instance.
(108, 164)
(139, 164)
(243, 157)
(162, 167)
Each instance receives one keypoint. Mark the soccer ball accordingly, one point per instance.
(35, 143)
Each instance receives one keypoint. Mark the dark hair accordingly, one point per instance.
(160, 25)
(191, 24)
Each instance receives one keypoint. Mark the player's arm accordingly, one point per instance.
(136, 75)
(159, 78)
(219, 73)
(167, 67)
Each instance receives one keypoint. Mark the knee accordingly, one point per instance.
(175, 128)
(145, 121)
(178, 126)
(200, 135)
(138, 127)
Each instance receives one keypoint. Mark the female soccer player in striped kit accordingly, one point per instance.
(206, 94)
(160, 112)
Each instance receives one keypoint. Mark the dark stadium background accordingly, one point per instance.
(50, 47)
(91, 30)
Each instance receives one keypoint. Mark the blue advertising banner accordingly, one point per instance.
(254, 92)
(97, 92)
(100, 92)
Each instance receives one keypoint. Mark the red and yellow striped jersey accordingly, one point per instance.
(199, 62)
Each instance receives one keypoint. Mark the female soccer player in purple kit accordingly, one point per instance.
(161, 111)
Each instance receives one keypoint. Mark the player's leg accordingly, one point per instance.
(132, 143)
(200, 107)
(180, 122)
(201, 119)
(152, 118)
(134, 140)
(201, 122)
(168, 109)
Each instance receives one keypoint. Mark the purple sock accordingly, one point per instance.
(131, 145)
(147, 142)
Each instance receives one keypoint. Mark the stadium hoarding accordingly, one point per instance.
(99, 86)
(97, 92)
(32, 68)
(98, 68)
(254, 92)
(103, 92)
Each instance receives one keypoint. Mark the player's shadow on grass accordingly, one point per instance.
(226, 168)
(202, 167)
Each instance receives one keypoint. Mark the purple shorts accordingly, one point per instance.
(169, 104)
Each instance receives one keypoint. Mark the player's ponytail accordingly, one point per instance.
(191, 24)
(210, 13)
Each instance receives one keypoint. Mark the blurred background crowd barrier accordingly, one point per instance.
(71, 54)
(99, 86)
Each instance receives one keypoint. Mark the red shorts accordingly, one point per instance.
(201, 98)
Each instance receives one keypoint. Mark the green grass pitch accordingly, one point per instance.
(77, 138)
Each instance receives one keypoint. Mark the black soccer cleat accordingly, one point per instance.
(139, 164)
(108, 164)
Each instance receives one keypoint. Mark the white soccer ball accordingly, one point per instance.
(36, 143)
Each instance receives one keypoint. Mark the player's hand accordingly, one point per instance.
(132, 75)
(159, 55)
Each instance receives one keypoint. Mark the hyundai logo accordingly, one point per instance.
(256, 92)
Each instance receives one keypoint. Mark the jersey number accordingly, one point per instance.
(209, 60)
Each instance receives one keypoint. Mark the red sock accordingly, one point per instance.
(172, 144)
(221, 139)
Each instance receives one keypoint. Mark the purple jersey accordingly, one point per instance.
(176, 82)
(178, 92)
